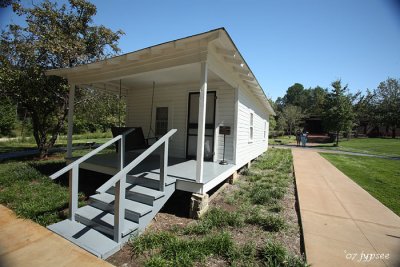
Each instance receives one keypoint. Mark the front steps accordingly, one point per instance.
(93, 227)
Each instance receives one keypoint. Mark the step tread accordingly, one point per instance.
(105, 219)
(156, 177)
(133, 206)
(86, 238)
(138, 189)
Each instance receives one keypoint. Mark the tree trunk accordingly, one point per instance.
(394, 132)
(41, 131)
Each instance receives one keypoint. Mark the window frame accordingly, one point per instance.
(251, 126)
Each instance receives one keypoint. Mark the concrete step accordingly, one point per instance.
(86, 238)
(133, 209)
(102, 221)
(150, 180)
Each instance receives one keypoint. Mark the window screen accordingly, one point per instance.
(161, 121)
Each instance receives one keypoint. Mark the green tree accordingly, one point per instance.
(8, 116)
(281, 123)
(292, 115)
(54, 37)
(388, 103)
(317, 98)
(338, 110)
(110, 111)
(295, 95)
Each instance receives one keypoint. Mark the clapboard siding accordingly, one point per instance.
(247, 149)
(176, 98)
(225, 117)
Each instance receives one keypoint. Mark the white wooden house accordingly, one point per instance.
(182, 91)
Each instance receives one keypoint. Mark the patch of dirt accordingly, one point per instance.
(165, 221)
(123, 258)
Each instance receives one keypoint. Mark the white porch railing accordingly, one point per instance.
(74, 170)
(119, 180)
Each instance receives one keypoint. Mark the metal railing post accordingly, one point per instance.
(163, 164)
(73, 191)
(119, 208)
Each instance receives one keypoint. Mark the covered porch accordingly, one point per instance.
(188, 80)
(179, 169)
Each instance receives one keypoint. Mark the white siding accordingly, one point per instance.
(225, 117)
(176, 98)
(247, 149)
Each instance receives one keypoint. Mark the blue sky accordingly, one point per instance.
(311, 42)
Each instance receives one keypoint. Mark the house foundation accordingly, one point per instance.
(232, 179)
(198, 205)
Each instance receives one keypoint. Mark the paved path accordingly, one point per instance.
(341, 221)
(313, 147)
(24, 243)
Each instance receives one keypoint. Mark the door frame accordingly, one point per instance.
(212, 127)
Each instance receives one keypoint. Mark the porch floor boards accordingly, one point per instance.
(178, 168)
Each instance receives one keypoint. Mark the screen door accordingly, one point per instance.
(192, 126)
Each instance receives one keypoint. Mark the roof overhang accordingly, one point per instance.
(179, 58)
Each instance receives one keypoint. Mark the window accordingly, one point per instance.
(251, 130)
(161, 127)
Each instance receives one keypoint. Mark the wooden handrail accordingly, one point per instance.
(135, 162)
(88, 155)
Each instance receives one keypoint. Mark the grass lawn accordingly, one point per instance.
(282, 140)
(380, 177)
(246, 228)
(25, 187)
(31, 194)
(19, 144)
(376, 146)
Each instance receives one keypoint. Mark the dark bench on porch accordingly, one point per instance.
(134, 141)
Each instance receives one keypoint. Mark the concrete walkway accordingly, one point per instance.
(24, 243)
(315, 147)
(343, 225)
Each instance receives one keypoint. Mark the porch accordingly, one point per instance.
(180, 169)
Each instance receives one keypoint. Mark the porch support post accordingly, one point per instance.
(71, 100)
(201, 122)
(73, 191)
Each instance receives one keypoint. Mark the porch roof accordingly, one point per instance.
(173, 61)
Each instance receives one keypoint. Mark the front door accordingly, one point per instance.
(192, 126)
